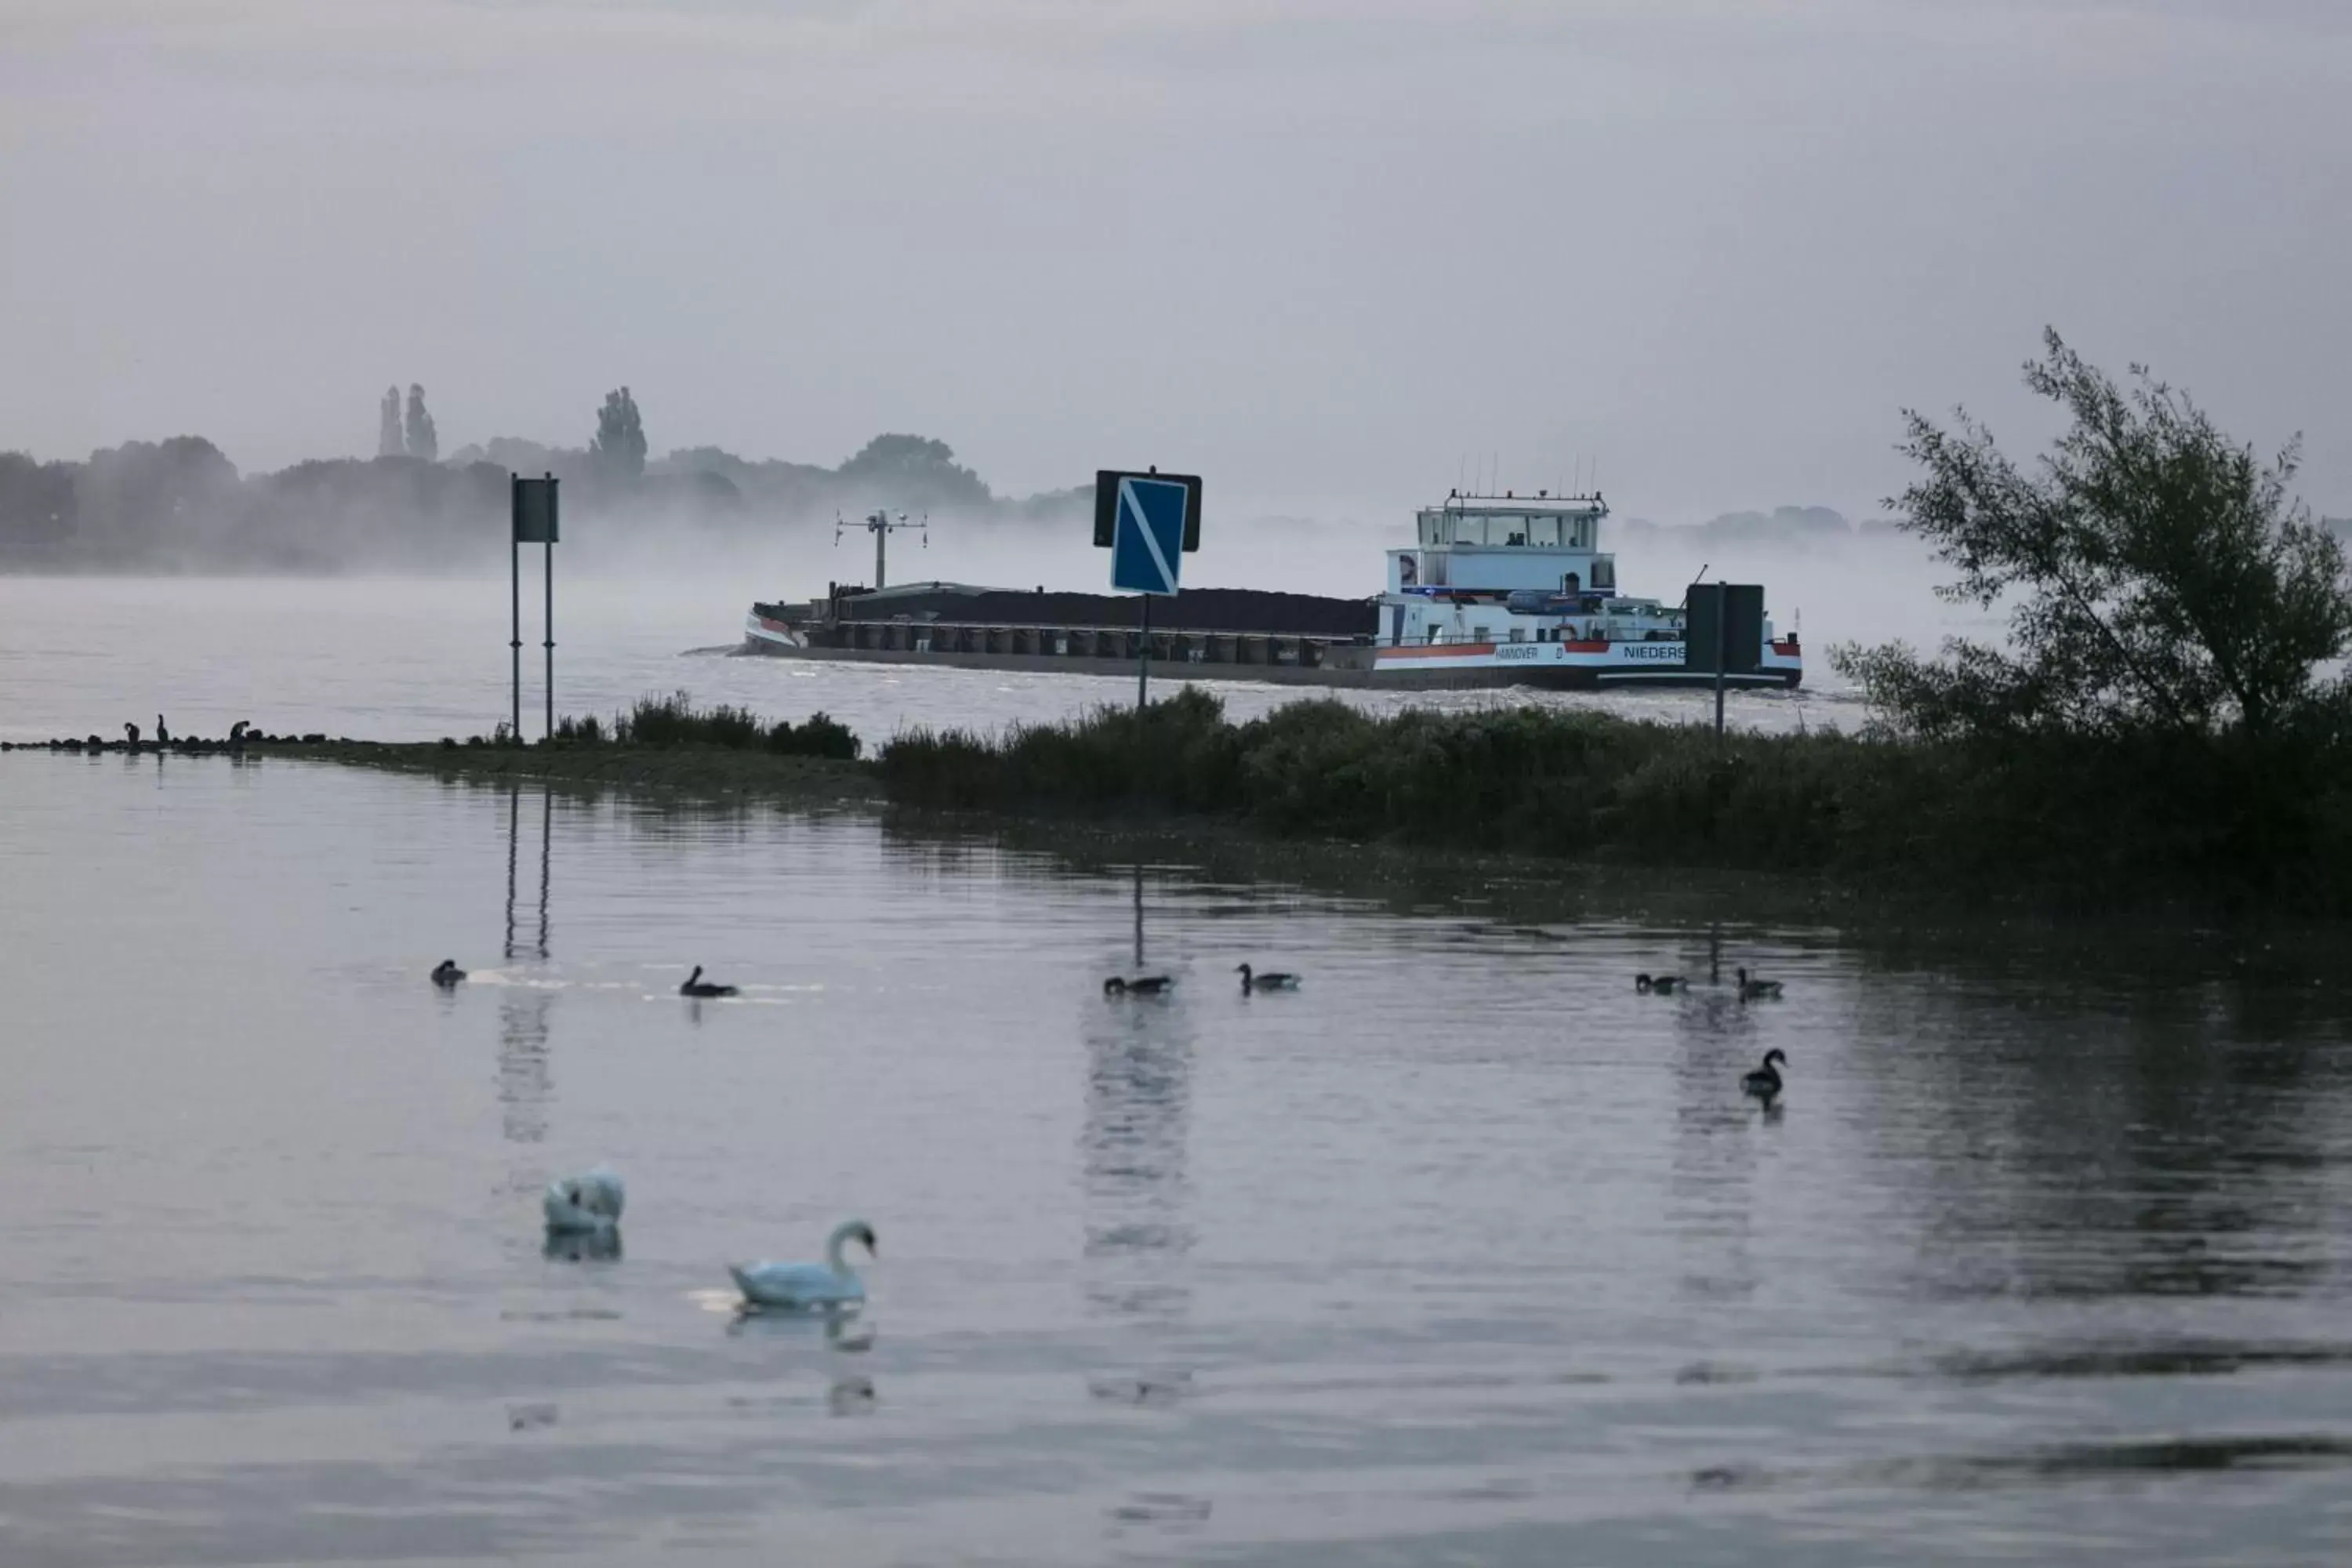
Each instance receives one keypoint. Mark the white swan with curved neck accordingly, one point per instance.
(832, 1283)
(587, 1204)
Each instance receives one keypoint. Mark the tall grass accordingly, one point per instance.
(672, 720)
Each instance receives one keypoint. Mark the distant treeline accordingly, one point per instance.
(182, 505)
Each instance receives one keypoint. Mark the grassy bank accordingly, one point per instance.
(2198, 823)
(2184, 820)
(662, 744)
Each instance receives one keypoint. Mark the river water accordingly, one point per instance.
(1463, 1252)
(408, 660)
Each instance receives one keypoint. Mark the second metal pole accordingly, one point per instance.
(514, 554)
(550, 548)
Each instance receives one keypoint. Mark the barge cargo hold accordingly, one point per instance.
(1496, 591)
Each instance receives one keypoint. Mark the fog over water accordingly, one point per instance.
(409, 658)
(1341, 248)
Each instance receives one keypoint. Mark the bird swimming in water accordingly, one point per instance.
(1141, 986)
(696, 986)
(588, 1203)
(1764, 1083)
(832, 1283)
(1659, 985)
(1752, 990)
(1278, 981)
(446, 973)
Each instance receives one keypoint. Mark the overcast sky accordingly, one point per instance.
(1318, 251)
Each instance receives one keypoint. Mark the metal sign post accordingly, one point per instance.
(1148, 521)
(533, 522)
(1724, 635)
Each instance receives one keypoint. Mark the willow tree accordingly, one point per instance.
(2157, 575)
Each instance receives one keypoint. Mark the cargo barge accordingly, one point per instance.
(1494, 591)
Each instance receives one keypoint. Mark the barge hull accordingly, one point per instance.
(1276, 660)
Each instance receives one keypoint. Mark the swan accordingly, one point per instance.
(1662, 984)
(1141, 986)
(446, 973)
(832, 1283)
(696, 986)
(1764, 1083)
(589, 1202)
(1757, 989)
(1251, 981)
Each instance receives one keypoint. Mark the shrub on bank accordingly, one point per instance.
(662, 722)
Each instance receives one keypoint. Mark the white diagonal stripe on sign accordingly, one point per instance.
(1130, 497)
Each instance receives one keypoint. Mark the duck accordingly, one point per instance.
(1764, 1083)
(1659, 985)
(1251, 981)
(587, 1204)
(696, 986)
(1750, 990)
(801, 1286)
(1141, 986)
(446, 973)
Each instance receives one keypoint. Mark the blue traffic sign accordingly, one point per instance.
(1149, 532)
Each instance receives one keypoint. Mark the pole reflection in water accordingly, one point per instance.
(1139, 1100)
(525, 1085)
(514, 856)
(1712, 1185)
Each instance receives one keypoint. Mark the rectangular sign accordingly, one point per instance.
(1154, 519)
(1724, 620)
(1106, 504)
(534, 510)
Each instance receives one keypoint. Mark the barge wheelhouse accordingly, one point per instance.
(1517, 589)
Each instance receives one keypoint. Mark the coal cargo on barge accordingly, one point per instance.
(1247, 633)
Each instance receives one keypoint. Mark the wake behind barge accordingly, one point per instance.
(1496, 591)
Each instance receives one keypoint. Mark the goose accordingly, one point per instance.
(1764, 1083)
(1660, 985)
(1141, 986)
(832, 1283)
(1757, 989)
(696, 986)
(589, 1202)
(1251, 981)
(446, 973)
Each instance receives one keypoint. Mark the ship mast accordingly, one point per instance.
(880, 523)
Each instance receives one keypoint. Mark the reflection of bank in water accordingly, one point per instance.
(1132, 1148)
